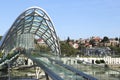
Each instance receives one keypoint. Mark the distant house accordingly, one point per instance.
(41, 42)
(75, 45)
(113, 42)
(97, 40)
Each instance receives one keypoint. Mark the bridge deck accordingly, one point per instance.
(64, 71)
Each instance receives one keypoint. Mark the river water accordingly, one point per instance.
(25, 74)
(97, 72)
(101, 73)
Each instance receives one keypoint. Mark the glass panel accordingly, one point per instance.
(29, 11)
(48, 31)
(21, 23)
(21, 17)
(28, 17)
(44, 27)
(56, 44)
(35, 23)
(26, 30)
(48, 43)
(19, 31)
(39, 33)
(54, 37)
(37, 18)
(17, 21)
(19, 27)
(53, 48)
(41, 30)
(51, 39)
(49, 23)
(33, 29)
(46, 17)
(47, 34)
(51, 28)
(44, 23)
(27, 27)
(40, 12)
(45, 38)
(28, 24)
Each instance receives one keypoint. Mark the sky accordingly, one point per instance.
(71, 18)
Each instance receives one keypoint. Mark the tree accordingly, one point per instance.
(105, 39)
(92, 42)
(0, 51)
(116, 38)
(35, 41)
(0, 37)
(115, 49)
(102, 61)
(1, 54)
(119, 39)
(68, 40)
(97, 61)
(44, 48)
(67, 49)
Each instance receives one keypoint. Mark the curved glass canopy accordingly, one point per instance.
(32, 21)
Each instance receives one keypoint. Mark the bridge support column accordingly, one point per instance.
(47, 78)
(38, 71)
(75, 61)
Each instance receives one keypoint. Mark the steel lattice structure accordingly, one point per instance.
(33, 21)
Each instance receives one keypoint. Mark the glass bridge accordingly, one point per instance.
(19, 39)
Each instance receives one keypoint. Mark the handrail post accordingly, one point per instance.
(8, 63)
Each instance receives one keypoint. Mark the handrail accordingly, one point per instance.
(77, 72)
(48, 71)
(4, 61)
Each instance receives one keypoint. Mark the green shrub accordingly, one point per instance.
(102, 61)
(97, 61)
(106, 66)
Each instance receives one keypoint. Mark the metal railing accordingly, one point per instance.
(68, 68)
